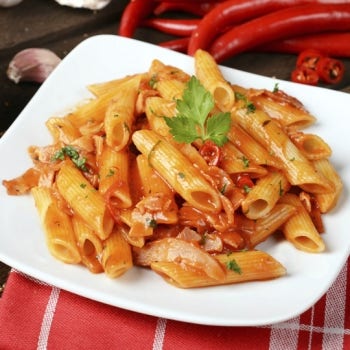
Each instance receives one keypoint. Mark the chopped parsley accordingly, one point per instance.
(249, 105)
(275, 88)
(245, 162)
(153, 81)
(73, 154)
(151, 223)
(233, 266)
(246, 189)
(193, 122)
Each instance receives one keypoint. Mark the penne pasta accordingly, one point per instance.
(119, 118)
(116, 256)
(240, 267)
(89, 245)
(183, 174)
(62, 130)
(312, 146)
(212, 79)
(248, 145)
(262, 197)
(271, 222)
(299, 170)
(114, 177)
(57, 226)
(299, 229)
(84, 199)
(327, 201)
(177, 170)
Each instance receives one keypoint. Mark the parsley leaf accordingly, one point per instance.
(73, 154)
(192, 121)
(233, 265)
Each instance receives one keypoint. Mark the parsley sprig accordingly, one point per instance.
(193, 120)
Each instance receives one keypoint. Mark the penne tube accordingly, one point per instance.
(298, 169)
(170, 89)
(120, 115)
(159, 71)
(250, 147)
(99, 89)
(84, 199)
(151, 182)
(178, 171)
(262, 197)
(312, 146)
(289, 112)
(209, 74)
(93, 111)
(156, 109)
(240, 267)
(327, 201)
(116, 256)
(270, 223)
(114, 177)
(57, 225)
(233, 161)
(181, 251)
(299, 229)
(88, 243)
(62, 130)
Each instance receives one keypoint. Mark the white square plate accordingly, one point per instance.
(22, 245)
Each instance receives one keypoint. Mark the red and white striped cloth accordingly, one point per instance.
(34, 315)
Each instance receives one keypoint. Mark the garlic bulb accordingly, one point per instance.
(33, 64)
(9, 3)
(88, 4)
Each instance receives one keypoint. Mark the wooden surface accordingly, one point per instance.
(44, 23)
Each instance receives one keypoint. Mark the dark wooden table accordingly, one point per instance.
(44, 23)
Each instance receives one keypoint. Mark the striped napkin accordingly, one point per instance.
(34, 315)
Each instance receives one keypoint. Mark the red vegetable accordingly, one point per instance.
(281, 24)
(330, 70)
(179, 45)
(210, 152)
(133, 14)
(231, 12)
(244, 180)
(305, 75)
(309, 59)
(335, 44)
(178, 27)
(199, 9)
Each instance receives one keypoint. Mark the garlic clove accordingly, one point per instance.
(33, 64)
(9, 3)
(88, 4)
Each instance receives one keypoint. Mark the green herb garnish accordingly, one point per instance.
(73, 154)
(233, 266)
(249, 105)
(193, 122)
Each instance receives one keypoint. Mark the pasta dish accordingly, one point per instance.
(185, 175)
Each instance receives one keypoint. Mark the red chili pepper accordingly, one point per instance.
(244, 180)
(281, 24)
(309, 58)
(178, 27)
(232, 12)
(330, 70)
(210, 152)
(179, 45)
(198, 9)
(134, 13)
(332, 44)
(304, 75)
